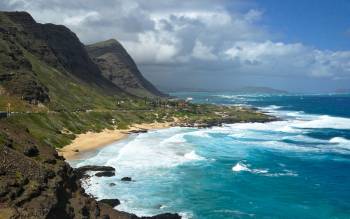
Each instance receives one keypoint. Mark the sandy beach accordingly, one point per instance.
(91, 140)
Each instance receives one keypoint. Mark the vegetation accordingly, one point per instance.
(59, 128)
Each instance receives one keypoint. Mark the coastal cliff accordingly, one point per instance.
(53, 91)
(118, 66)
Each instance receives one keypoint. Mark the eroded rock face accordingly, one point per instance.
(54, 45)
(16, 74)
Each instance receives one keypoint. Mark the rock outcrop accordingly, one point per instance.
(110, 202)
(126, 179)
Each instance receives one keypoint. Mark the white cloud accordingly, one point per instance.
(280, 58)
(257, 52)
(153, 48)
(219, 39)
(81, 18)
(202, 52)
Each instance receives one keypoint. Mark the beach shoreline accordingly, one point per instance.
(91, 141)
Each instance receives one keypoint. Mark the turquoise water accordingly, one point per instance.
(295, 168)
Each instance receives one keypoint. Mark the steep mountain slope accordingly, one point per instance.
(46, 63)
(117, 66)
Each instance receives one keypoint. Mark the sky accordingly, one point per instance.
(293, 45)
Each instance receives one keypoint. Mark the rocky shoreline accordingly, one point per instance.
(43, 185)
(107, 171)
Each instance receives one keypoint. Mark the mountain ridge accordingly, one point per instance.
(118, 66)
(47, 64)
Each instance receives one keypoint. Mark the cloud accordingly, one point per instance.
(81, 18)
(203, 52)
(280, 58)
(201, 42)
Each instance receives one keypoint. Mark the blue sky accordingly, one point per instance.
(324, 24)
(294, 45)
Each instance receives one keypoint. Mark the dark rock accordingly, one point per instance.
(111, 202)
(81, 171)
(4, 190)
(105, 216)
(85, 211)
(105, 174)
(97, 211)
(76, 150)
(138, 131)
(8, 143)
(50, 161)
(95, 168)
(50, 174)
(165, 216)
(112, 184)
(126, 179)
(31, 151)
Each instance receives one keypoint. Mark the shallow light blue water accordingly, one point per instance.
(295, 168)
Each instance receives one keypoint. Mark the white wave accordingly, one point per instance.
(177, 138)
(341, 143)
(200, 133)
(237, 97)
(271, 107)
(193, 156)
(186, 215)
(284, 173)
(325, 121)
(150, 151)
(277, 126)
(162, 206)
(339, 140)
(240, 167)
(282, 146)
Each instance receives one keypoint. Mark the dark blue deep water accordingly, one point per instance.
(298, 167)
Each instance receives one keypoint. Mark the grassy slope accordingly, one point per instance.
(76, 107)
(59, 128)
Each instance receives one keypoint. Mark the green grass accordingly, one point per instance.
(60, 128)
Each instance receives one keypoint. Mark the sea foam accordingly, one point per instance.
(193, 156)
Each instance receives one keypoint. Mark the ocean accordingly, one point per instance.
(298, 167)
